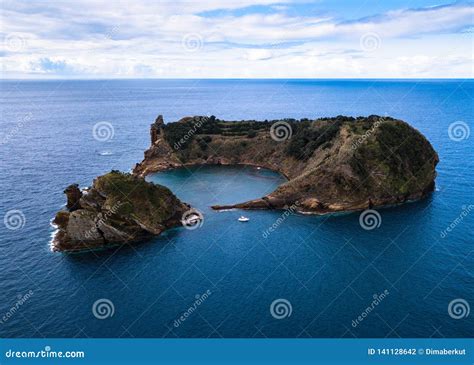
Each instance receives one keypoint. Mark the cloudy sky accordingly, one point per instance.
(236, 39)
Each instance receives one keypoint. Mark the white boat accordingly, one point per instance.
(243, 219)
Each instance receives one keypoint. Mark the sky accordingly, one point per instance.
(90, 39)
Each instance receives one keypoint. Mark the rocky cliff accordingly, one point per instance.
(332, 164)
(117, 208)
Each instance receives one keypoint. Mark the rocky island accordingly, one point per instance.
(332, 164)
(117, 208)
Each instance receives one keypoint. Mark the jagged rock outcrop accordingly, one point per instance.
(74, 195)
(155, 129)
(332, 164)
(118, 208)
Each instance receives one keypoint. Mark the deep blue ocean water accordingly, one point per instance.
(326, 268)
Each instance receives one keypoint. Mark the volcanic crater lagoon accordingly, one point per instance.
(310, 276)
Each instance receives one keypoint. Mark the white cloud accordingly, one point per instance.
(142, 39)
(258, 54)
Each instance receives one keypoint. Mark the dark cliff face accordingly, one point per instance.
(333, 164)
(73, 194)
(118, 208)
(156, 128)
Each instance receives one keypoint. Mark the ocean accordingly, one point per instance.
(412, 275)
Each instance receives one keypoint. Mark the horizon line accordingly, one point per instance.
(243, 78)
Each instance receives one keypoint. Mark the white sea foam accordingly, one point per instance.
(53, 233)
(51, 223)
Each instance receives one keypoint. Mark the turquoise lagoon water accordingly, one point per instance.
(323, 271)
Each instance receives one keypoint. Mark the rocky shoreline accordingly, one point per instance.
(351, 164)
(118, 208)
(340, 164)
